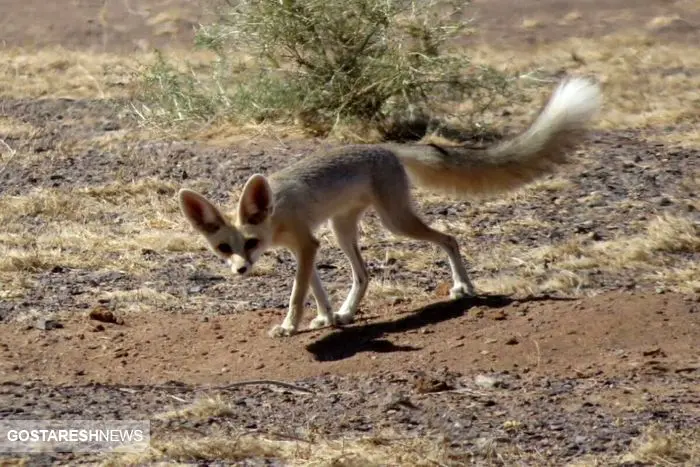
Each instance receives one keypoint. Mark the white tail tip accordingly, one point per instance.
(576, 100)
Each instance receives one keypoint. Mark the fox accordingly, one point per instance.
(286, 208)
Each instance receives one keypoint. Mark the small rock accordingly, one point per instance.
(398, 401)
(443, 289)
(148, 252)
(499, 315)
(485, 445)
(427, 385)
(47, 324)
(512, 341)
(486, 382)
(102, 314)
(111, 126)
(98, 328)
(512, 425)
(584, 227)
(654, 352)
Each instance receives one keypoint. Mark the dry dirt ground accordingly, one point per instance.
(583, 348)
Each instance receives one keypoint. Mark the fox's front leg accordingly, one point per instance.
(305, 269)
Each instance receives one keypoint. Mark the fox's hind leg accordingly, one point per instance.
(323, 314)
(397, 214)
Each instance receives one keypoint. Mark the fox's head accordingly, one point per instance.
(242, 242)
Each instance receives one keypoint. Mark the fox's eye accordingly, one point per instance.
(224, 248)
(251, 243)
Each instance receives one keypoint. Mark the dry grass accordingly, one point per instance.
(96, 228)
(392, 291)
(656, 447)
(141, 300)
(60, 73)
(686, 278)
(12, 128)
(360, 452)
(646, 82)
(662, 21)
(663, 448)
(202, 409)
(561, 267)
(682, 137)
(571, 17)
(14, 461)
(531, 23)
(308, 451)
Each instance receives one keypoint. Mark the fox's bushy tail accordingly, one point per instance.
(548, 143)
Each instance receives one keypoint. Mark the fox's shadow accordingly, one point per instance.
(348, 341)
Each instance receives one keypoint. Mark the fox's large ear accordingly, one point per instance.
(202, 214)
(256, 203)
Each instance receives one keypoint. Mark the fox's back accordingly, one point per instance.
(328, 182)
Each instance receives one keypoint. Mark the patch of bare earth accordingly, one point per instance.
(581, 350)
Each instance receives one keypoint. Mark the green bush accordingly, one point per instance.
(321, 63)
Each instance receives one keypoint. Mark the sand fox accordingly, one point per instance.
(284, 209)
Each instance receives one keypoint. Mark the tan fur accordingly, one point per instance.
(339, 185)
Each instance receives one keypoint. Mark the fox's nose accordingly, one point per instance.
(242, 269)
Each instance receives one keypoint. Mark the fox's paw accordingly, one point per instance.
(461, 290)
(341, 317)
(281, 330)
(321, 322)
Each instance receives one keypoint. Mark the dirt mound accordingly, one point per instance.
(611, 333)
